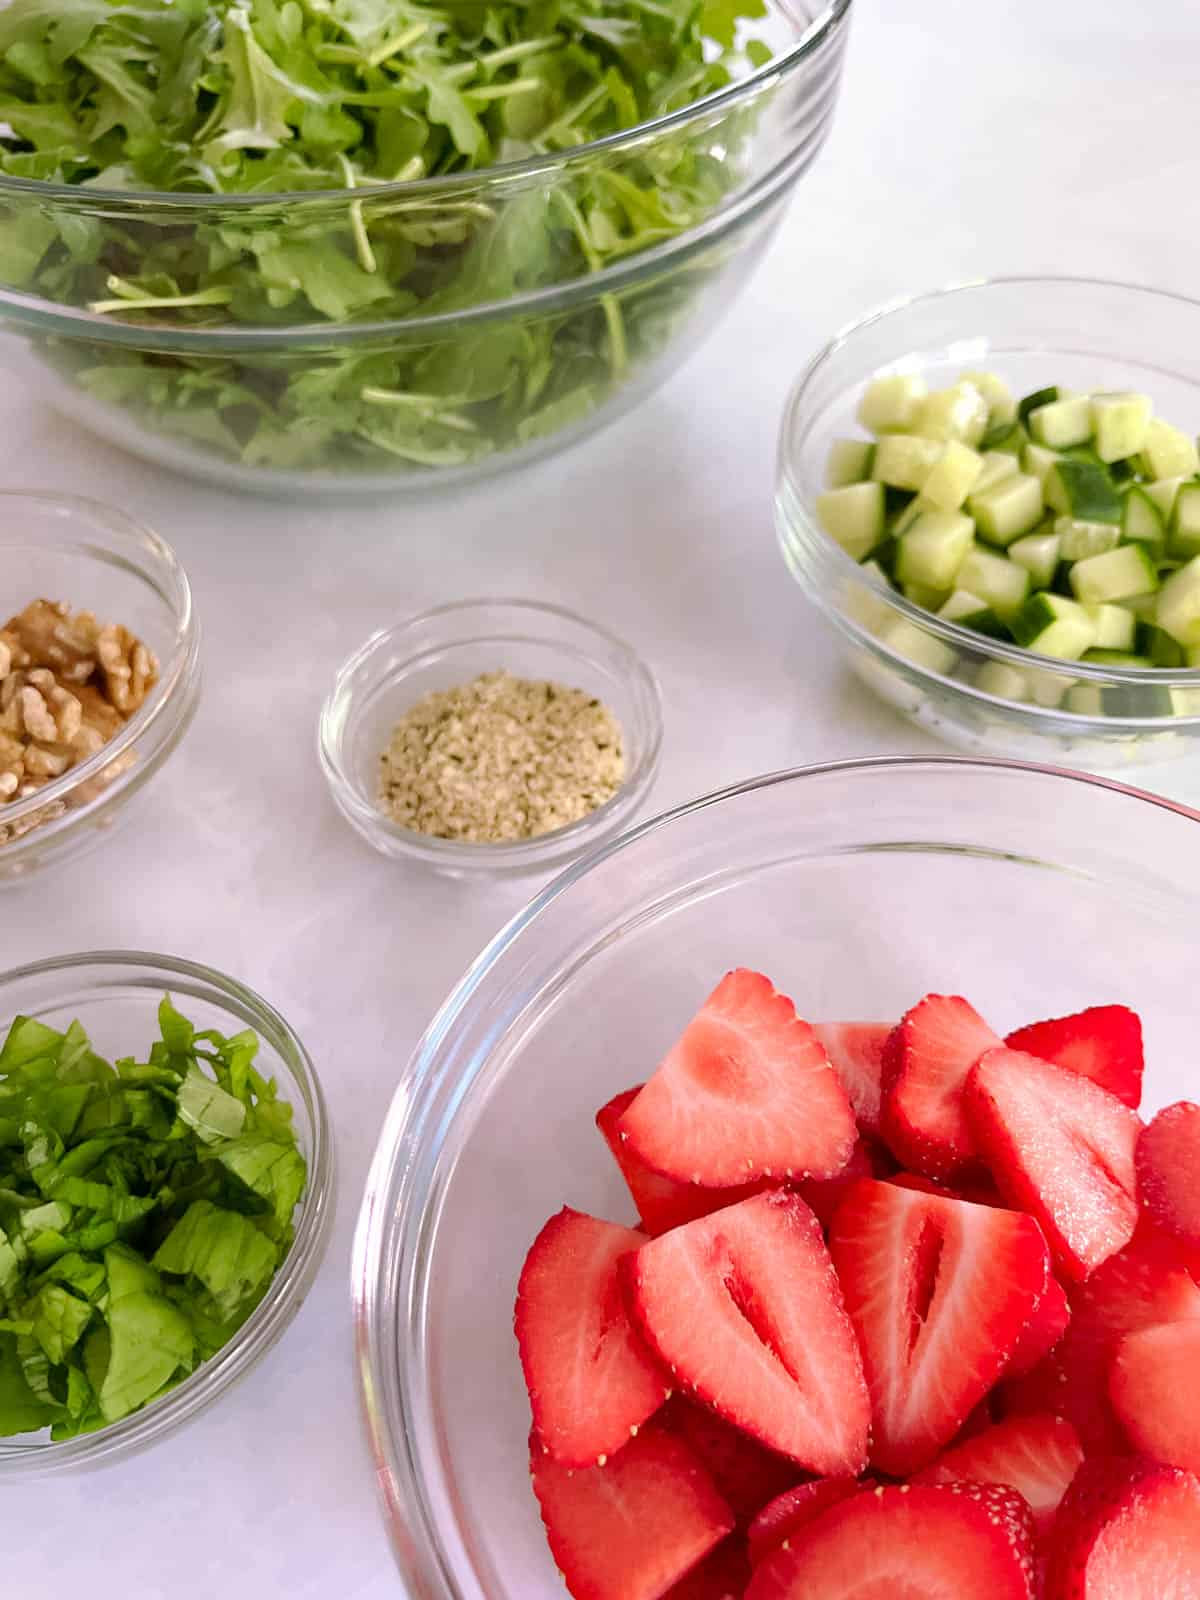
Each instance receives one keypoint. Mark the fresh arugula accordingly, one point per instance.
(144, 1210)
(262, 97)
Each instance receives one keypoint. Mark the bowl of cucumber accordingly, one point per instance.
(993, 493)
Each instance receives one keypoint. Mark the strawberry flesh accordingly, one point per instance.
(855, 1050)
(1128, 1529)
(868, 1159)
(723, 1575)
(788, 1512)
(745, 1472)
(1168, 1170)
(1152, 1382)
(928, 1058)
(1038, 1456)
(1103, 1043)
(1042, 1332)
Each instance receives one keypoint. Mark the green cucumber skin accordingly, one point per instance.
(1039, 397)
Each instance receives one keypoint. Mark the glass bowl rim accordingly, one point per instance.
(292, 1281)
(387, 1214)
(951, 632)
(513, 856)
(174, 674)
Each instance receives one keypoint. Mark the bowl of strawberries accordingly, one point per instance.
(800, 1200)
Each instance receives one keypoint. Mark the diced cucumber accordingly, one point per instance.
(1062, 422)
(1005, 682)
(1038, 553)
(1122, 472)
(1034, 401)
(953, 478)
(904, 461)
(922, 595)
(1086, 700)
(1130, 570)
(864, 605)
(1047, 689)
(1143, 606)
(959, 412)
(1001, 584)
(1164, 492)
(1142, 521)
(1120, 423)
(1184, 538)
(1185, 702)
(1008, 437)
(912, 642)
(997, 465)
(1117, 658)
(969, 611)
(1037, 461)
(907, 515)
(1008, 509)
(890, 404)
(1157, 645)
(1115, 627)
(1082, 490)
(1000, 403)
(1054, 626)
(1178, 608)
(1168, 452)
(933, 549)
(849, 462)
(853, 516)
(1078, 540)
(1191, 656)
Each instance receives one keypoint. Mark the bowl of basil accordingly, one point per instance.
(377, 244)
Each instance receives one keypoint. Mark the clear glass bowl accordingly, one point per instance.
(97, 559)
(452, 645)
(1032, 331)
(233, 398)
(115, 994)
(858, 887)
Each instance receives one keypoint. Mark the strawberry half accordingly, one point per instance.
(1042, 1332)
(1168, 1169)
(662, 1203)
(1061, 1148)
(855, 1051)
(745, 1472)
(746, 1093)
(745, 1310)
(958, 1541)
(723, 1575)
(788, 1512)
(939, 1292)
(630, 1529)
(591, 1380)
(1038, 1456)
(867, 1160)
(1153, 1385)
(1103, 1043)
(929, 1056)
(1128, 1530)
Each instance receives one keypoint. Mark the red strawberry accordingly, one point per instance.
(975, 1187)
(744, 1308)
(721, 1576)
(1042, 1332)
(1128, 1530)
(825, 1195)
(939, 1292)
(746, 1093)
(746, 1474)
(958, 1541)
(1168, 1169)
(1060, 1148)
(591, 1380)
(789, 1511)
(1037, 1456)
(630, 1529)
(1103, 1043)
(662, 1203)
(929, 1055)
(1152, 1382)
(855, 1050)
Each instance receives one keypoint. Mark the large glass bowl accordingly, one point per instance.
(858, 887)
(316, 401)
(1032, 331)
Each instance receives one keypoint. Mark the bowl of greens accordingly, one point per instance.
(166, 1185)
(366, 244)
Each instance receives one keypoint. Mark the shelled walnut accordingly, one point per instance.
(68, 684)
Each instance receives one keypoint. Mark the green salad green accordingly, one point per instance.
(262, 97)
(144, 1209)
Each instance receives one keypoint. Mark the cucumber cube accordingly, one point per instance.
(1129, 570)
(1004, 682)
(904, 461)
(1083, 490)
(1000, 403)
(1120, 423)
(1185, 702)
(1037, 461)
(907, 515)
(959, 412)
(1115, 627)
(921, 594)
(1178, 609)
(1008, 509)
(1054, 626)
(1184, 539)
(864, 604)
(934, 548)
(962, 603)
(1001, 584)
(890, 404)
(1047, 689)
(957, 472)
(1062, 423)
(1163, 493)
(1157, 646)
(853, 516)
(1039, 554)
(1117, 658)
(1010, 437)
(1086, 700)
(1079, 540)
(1141, 521)
(906, 639)
(849, 462)
(997, 465)
(1168, 452)
(1034, 402)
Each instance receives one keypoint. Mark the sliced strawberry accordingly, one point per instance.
(929, 1055)
(1153, 1385)
(975, 1187)
(1042, 1332)
(1103, 1043)
(958, 1541)
(868, 1159)
(781, 1518)
(1037, 1456)
(855, 1050)
(591, 1380)
(1168, 1169)
(745, 1472)
(630, 1529)
(745, 1310)
(1128, 1530)
(939, 1292)
(662, 1203)
(723, 1575)
(746, 1093)
(1060, 1148)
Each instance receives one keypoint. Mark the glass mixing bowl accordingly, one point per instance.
(857, 887)
(1032, 331)
(308, 398)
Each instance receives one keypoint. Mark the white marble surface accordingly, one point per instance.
(1015, 137)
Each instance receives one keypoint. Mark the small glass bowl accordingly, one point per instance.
(449, 646)
(59, 547)
(115, 995)
(1032, 331)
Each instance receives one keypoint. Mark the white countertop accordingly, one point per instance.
(971, 141)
